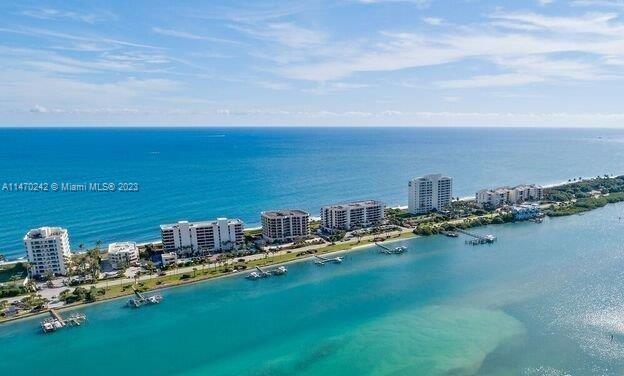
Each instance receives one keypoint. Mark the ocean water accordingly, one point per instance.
(199, 174)
(544, 300)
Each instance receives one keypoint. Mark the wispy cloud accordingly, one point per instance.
(55, 35)
(533, 34)
(530, 70)
(335, 87)
(56, 14)
(434, 21)
(187, 35)
(599, 3)
(284, 33)
(418, 3)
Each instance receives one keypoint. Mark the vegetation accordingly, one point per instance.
(10, 290)
(34, 302)
(584, 189)
(580, 196)
(13, 272)
(583, 204)
(432, 228)
(81, 294)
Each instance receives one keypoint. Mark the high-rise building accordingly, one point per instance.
(48, 250)
(352, 215)
(429, 192)
(208, 236)
(284, 225)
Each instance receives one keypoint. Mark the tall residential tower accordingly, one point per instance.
(429, 192)
(48, 250)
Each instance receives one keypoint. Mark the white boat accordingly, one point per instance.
(154, 299)
(280, 270)
(47, 327)
(253, 275)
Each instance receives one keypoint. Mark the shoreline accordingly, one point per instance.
(74, 306)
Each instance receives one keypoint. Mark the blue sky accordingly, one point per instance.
(339, 62)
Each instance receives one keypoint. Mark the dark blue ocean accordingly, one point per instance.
(204, 173)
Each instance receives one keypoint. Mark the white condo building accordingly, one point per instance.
(207, 236)
(48, 250)
(123, 253)
(352, 215)
(429, 192)
(509, 195)
(284, 225)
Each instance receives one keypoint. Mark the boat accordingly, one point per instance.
(451, 234)
(154, 299)
(50, 325)
(253, 275)
(280, 270)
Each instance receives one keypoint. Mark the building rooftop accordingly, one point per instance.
(355, 204)
(122, 247)
(432, 176)
(508, 188)
(283, 213)
(44, 232)
(199, 223)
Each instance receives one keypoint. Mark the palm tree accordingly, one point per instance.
(194, 272)
(14, 278)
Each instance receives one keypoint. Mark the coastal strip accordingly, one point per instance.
(395, 224)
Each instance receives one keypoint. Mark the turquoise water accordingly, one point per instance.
(205, 173)
(543, 300)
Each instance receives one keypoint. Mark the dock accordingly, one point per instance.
(391, 251)
(55, 315)
(478, 238)
(261, 273)
(320, 260)
(141, 300)
(56, 321)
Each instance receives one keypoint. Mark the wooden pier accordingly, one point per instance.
(391, 251)
(478, 238)
(55, 315)
(142, 300)
(320, 260)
